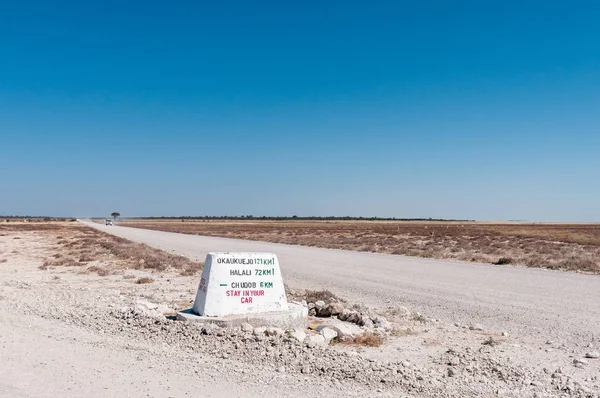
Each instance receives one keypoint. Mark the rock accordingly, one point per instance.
(342, 316)
(304, 303)
(381, 323)
(311, 305)
(353, 317)
(260, 331)
(367, 323)
(335, 309)
(329, 334)
(451, 372)
(346, 330)
(273, 331)
(324, 312)
(281, 369)
(505, 334)
(405, 364)
(313, 340)
(319, 305)
(150, 309)
(593, 355)
(580, 363)
(247, 328)
(305, 370)
(477, 327)
(312, 312)
(297, 334)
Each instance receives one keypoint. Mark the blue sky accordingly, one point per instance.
(407, 109)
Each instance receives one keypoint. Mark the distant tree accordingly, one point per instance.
(294, 217)
(116, 214)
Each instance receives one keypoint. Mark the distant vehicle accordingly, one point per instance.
(108, 221)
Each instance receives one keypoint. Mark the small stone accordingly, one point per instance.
(451, 372)
(313, 340)
(405, 364)
(259, 331)
(297, 334)
(273, 331)
(335, 308)
(367, 322)
(343, 315)
(504, 334)
(281, 369)
(329, 334)
(593, 355)
(477, 327)
(346, 330)
(247, 328)
(319, 305)
(305, 370)
(353, 317)
(580, 363)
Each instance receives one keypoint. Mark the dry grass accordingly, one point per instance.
(101, 271)
(366, 340)
(312, 296)
(143, 280)
(77, 245)
(555, 246)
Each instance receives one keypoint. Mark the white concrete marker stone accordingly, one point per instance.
(244, 287)
(240, 283)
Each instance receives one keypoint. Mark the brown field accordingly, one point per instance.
(557, 246)
(76, 245)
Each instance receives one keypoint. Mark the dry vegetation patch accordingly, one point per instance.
(555, 246)
(76, 245)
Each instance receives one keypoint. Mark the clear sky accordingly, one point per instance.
(453, 109)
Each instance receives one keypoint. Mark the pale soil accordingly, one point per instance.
(61, 335)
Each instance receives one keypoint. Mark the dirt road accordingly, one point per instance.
(532, 303)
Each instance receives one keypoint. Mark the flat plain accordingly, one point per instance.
(574, 247)
(88, 311)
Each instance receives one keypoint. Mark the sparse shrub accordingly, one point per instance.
(99, 270)
(491, 342)
(419, 318)
(366, 339)
(504, 261)
(192, 269)
(312, 296)
(143, 280)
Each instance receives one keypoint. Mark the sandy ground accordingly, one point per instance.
(62, 332)
(58, 338)
(537, 303)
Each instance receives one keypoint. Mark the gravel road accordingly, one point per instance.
(531, 303)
